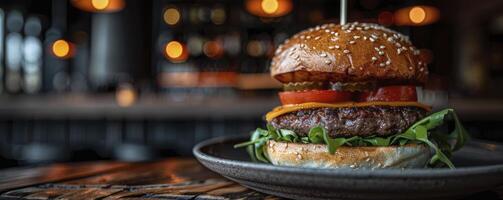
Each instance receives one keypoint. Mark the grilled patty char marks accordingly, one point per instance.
(351, 121)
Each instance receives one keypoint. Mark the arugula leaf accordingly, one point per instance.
(378, 141)
(316, 135)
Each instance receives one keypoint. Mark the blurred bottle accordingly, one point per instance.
(13, 51)
(2, 47)
(32, 55)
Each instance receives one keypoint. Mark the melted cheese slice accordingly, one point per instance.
(280, 110)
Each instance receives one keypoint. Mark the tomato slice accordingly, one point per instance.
(390, 93)
(319, 96)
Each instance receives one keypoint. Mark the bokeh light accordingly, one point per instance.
(61, 48)
(269, 6)
(417, 15)
(100, 4)
(213, 49)
(175, 51)
(125, 95)
(218, 16)
(171, 16)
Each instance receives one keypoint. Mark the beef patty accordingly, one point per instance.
(354, 121)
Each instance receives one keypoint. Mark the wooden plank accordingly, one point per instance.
(168, 179)
(170, 171)
(21, 177)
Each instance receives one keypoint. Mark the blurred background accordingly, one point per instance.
(142, 80)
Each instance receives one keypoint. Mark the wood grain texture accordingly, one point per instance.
(167, 179)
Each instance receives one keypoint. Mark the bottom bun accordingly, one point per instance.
(317, 156)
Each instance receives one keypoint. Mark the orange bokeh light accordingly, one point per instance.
(213, 49)
(175, 51)
(269, 8)
(61, 49)
(416, 16)
(99, 5)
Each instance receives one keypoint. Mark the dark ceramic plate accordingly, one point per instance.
(479, 167)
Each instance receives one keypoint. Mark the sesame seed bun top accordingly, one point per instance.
(354, 52)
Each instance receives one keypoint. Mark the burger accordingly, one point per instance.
(350, 101)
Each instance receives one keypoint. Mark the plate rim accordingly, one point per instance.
(342, 172)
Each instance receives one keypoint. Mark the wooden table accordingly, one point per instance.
(166, 179)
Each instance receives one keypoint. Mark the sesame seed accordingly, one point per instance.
(331, 47)
(388, 62)
(348, 31)
(323, 55)
(382, 46)
(327, 30)
(337, 46)
(382, 65)
(398, 44)
(364, 37)
(317, 28)
(410, 68)
(399, 51)
(359, 28)
(421, 69)
(317, 38)
(366, 28)
(302, 45)
(336, 34)
(351, 42)
(390, 39)
(361, 68)
(381, 53)
(328, 62)
(377, 49)
(373, 36)
(385, 35)
(356, 37)
(374, 58)
(302, 37)
(308, 37)
(372, 39)
(345, 51)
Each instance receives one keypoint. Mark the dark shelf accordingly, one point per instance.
(147, 106)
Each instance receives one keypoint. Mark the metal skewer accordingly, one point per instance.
(344, 8)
